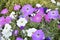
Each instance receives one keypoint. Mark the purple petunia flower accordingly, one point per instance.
(27, 10)
(17, 7)
(47, 19)
(59, 26)
(37, 18)
(15, 32)
(47, 38)
(7, 19)
(53, 14)
(4, 11)
(22, 27)
(40, 11)
(38, 35)
(18, 38)
(3, 20)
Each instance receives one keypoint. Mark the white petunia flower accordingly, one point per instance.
(7, 31)
(25, 38)
(12, 15)
(2, 38)
(53, 1)
(38, 5)
(58, 3)
(30, 31)
(21, 22)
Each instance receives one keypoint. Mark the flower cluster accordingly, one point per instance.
(21, 22)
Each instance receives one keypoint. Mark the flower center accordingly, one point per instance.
(27, 8)
(21, 21)
(38, 35)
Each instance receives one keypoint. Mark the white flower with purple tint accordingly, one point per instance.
(7, 31)
(12, 15)
(21, 22)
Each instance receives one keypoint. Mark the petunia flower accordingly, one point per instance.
(17, 7)
(38, 5)
(30, 31)
(59, 26)
(15, 32)
(53, 1)
(27, 10)
(54, 14)
(47, 38)
(4, 11)
(38, 35)
(7, 31)
(37, 18)
(12, 15)
(58, 3)
(18, 38)
(40, 11)
(21, 22)
(4, 20)
(47, 19)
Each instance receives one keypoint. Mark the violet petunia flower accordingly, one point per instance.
(22, 27)
(27, 10)
(4, 11)
(4, 20)
(53, 14)
(59, 26)
(7, 19)
(17, 7)
(47, 19)
(38, 35)
(18, 38)
(37, 18)
(40, 11)
(15, 32)
(47, 38)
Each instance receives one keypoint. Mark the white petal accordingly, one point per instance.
(53, 1)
